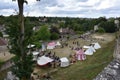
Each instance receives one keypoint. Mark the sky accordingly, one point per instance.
(64, 8)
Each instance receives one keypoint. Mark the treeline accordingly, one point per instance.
(77, 24)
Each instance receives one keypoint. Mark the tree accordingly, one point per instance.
(23, 67)
(101, 30)
(23, 61)
(108, 26)
(43, 33)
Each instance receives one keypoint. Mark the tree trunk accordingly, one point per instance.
(22, 35)
(21, 18)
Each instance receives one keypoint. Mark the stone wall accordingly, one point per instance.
(112, 71)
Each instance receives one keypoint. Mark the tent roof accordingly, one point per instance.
(89, 51)
(51, 44)
(80, 51)
(44, 60)
(96, 45)
(30, 46)
(58, 43)
(35, 53)
(64, 59)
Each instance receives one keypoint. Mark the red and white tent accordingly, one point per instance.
(80, 55)
(51, 45)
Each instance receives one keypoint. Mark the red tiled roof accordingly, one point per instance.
(2, 42)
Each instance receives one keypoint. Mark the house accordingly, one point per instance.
(66, 31)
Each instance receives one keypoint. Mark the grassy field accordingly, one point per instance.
(87, 69)
(82, 70)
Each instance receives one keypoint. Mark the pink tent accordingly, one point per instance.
(51, 45)
(80, 55)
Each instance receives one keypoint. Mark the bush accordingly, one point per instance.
(79, 32)
(101, 30)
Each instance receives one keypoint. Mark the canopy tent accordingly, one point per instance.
(58, 43)
(80, 55)
(89, 51)
(43, 60)
(96, 45)
(35, 54)
(86, 46)
(64, 62)
(30, 46)
(51, 45)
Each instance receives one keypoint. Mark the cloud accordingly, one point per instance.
(72, 8)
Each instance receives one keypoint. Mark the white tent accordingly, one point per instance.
(35, 54)
(43, 60)
(64, 62)
(51, 45)
(58, 43)
(30, 46)
(96, 45)
(93, 49)
(86, 46)
(89, 51)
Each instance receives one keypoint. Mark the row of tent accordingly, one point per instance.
(43, 60)
(91, 49)
(80, 55)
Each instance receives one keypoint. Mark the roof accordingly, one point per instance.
(2, 42)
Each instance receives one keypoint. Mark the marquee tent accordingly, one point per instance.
(96, 45)
(51, 45)
(43, 60)
(80, 55)
(64, 62)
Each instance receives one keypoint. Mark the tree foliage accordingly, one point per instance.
(24, 67)
(108, 26)
(43, 33)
